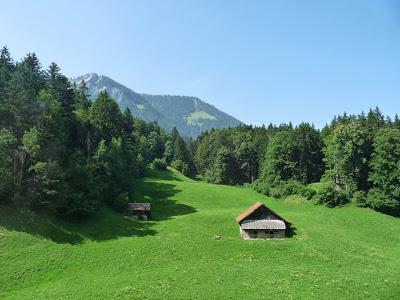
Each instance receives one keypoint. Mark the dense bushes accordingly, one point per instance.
(378, 200)
(284, 189)
(331, 196)
(180, 166)
(359, 198)
(159, 164)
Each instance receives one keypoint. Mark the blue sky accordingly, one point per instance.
(261, 61)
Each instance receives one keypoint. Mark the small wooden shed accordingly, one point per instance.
(140, 211)
(261, 222)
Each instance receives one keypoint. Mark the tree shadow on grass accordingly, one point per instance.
(158, 195)
(390, 212)
(106, 224)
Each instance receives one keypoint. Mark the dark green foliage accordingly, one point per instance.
(346, 155)
(223, 168)
(159, 164)
(81, 200)
(120, 202)
(385, 175)
(284, 189)
(140, 166)
(331, 196)
(262, 187)
(46, 184)
(77, 206)
(361, 157)
(294, 153)
(359, 199)
(307, 192)
(180, 166)
(378, 200)
(7, 144)
(106, 118)
(63, 154)
(231, 156)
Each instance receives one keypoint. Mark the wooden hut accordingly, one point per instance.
(140, 211)
(261, 222)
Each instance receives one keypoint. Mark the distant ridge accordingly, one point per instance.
(189, 115)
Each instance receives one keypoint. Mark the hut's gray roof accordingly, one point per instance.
(138, 206)
(263, 224)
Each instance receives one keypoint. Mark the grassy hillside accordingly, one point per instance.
(335, 253)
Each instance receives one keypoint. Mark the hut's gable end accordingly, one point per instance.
(262, 213)
(259, 211)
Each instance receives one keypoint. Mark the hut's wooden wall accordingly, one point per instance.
(262, 234)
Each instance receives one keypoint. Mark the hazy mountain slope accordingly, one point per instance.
(190, 115)
(124, 96)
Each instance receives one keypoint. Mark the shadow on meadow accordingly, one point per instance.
(158, 194)
(291, 231)
(106, 224)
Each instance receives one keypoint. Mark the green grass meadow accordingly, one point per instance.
(340, 253)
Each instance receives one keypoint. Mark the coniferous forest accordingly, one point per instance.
(65, 155)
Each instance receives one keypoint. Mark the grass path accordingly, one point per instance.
(347, 252)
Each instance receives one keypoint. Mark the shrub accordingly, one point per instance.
(307, 192)
(359, 199)
(276, 191)
(331, 196)
(376, 199)
(159, 164)
(180, 166)
(261, 187)
(284, 189)
(281, 189)
(291, 187)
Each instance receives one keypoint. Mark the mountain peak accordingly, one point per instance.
(86, 77)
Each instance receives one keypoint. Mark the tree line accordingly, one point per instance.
(354, 159)
(61, 153)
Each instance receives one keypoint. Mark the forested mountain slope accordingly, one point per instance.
(189, 115)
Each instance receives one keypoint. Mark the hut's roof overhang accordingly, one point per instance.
(263, 224)
(253, 208)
